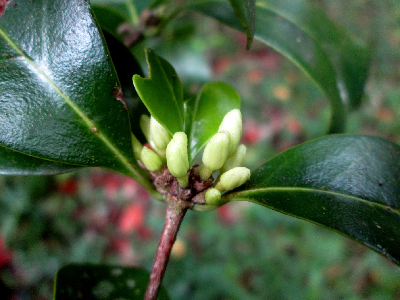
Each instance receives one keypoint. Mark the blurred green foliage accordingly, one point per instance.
(241, 251)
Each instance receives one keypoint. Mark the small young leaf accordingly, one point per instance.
(347, 183)
(205, 113)
(75, 282)
(15, 163)
(162, 92)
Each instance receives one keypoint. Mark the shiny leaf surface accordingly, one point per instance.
(162, 92)
(60, 98)
(246, 12)
(15, 163)
(325, 53)
(347, 183)
(205, 112)
(102, 282)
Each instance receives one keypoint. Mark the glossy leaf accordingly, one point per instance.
(126, 66)
(15, 163)
(205, 112)
(60, 96)
(102, 282)
(246, 12)
(347, 183)
(324, 59)
(162, 92)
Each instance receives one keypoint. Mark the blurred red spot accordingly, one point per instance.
(5, 254)
(132, 218)
(251, 133)
(68, 187)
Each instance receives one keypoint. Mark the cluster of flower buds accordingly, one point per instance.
(222, 152)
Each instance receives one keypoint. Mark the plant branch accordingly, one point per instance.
(176, 210)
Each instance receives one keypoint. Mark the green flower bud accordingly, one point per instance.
(216, 151)
(213, 196)
(159, 135)
(232, 123)
(236, 160)
(145, 126)
(137, 147)
(177, 158)
(233, 178)
(151, 160)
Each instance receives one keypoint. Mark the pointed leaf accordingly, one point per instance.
(333, 60)
(162, 92)
(347, 183)
(246, 12)
(60, 97)
(205, 112)
(15, 163)
(87, 281)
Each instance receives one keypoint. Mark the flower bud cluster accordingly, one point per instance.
(222, 152)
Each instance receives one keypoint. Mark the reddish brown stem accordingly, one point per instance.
(176, 210)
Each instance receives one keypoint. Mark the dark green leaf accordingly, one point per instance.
(349, 54)
(324, 52)
(347, 183)
(246, 12)
(162, 92)
(109, 19)
(205, 112)
(15, 163)
(93, 282)
(126, 66)
(60, 98)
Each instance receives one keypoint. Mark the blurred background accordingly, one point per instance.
(240, 251)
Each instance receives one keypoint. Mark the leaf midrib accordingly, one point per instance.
(237, 196)
(71, 104)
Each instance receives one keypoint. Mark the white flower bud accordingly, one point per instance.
(216, 151)
(232, 123)
(236, 160)
(233, 178)
(159, 135)
(213, 196)
(137, 147)
(151, 160)
(177, 155)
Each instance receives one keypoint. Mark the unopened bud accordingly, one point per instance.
(177, 157)
(137, 147)
(236, 160)
(151, 160)
(232, 123)
(159, 135)
(216, 151)
(233, 178)
(145, 126)
(213, 196)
